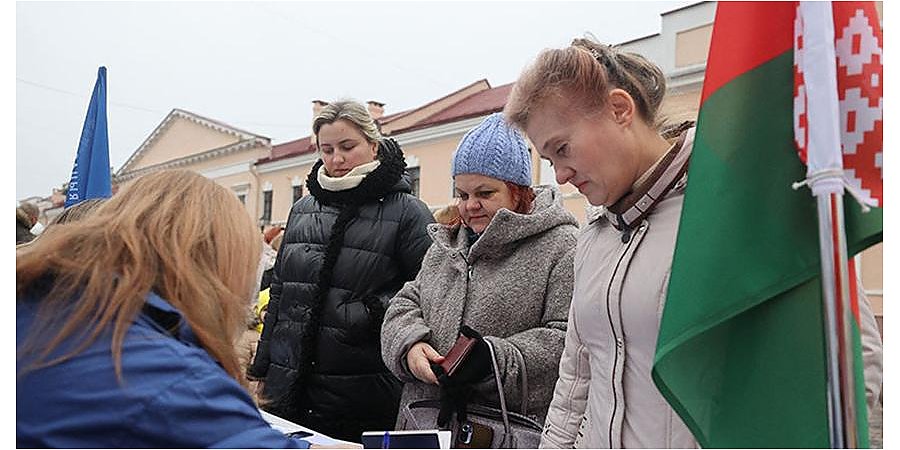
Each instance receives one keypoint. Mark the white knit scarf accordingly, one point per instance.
(348, 181)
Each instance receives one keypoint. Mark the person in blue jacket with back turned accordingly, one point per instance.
(125, 323)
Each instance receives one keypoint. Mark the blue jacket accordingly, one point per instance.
(173, 393)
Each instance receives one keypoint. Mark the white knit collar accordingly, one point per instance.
(348, 181)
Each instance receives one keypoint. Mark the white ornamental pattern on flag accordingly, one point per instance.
(801, 129)
(860, 74)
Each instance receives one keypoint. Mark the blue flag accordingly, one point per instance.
(90, 176)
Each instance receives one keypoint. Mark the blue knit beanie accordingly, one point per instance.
(496, 150)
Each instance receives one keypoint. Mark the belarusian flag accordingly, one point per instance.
(741, 349)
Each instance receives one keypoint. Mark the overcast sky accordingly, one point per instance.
(258, 65)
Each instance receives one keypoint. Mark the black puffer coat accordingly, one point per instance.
(320, 352)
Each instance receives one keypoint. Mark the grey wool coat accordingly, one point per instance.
(513, 285)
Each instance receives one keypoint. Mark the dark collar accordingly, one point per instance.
(631, 209)
(169, 319)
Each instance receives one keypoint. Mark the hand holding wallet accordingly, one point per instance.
(457, 354)
(469, 360)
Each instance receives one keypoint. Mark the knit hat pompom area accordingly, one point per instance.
(496, 150)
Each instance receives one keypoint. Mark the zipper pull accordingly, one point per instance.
(626, 231)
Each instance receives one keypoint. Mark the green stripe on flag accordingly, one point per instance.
(740, 354)
(740, 384)
(862, 416)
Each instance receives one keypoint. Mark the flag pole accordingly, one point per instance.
(825, 177)
(841, 396)
(830, 317)
(845, 315)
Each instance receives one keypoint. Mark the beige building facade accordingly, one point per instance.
(185, 140)
(269, 179)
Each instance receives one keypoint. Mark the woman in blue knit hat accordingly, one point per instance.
(501, 274)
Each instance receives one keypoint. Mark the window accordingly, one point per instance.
(267, 206)
(298, 192)
(414, 174)
(241, 191)
(692, 46)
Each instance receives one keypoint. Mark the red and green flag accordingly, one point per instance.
(741, 352)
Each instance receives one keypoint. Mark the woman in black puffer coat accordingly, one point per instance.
(348, 248)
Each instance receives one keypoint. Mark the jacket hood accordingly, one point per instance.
(507, 226)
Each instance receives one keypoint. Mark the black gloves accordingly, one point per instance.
(457, 389)
(477, 365)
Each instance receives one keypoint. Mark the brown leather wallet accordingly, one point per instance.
(457, 354)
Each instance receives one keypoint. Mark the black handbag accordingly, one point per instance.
(485, 426)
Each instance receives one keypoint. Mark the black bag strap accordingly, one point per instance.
(482, 411)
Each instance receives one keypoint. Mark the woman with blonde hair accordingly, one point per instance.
(348, 247)
(592, 111)
(126, 322)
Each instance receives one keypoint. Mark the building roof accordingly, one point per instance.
(304, 145)
(388, 119)
(193, 117)
(478, 104)
(631, 41)
(290, 149)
